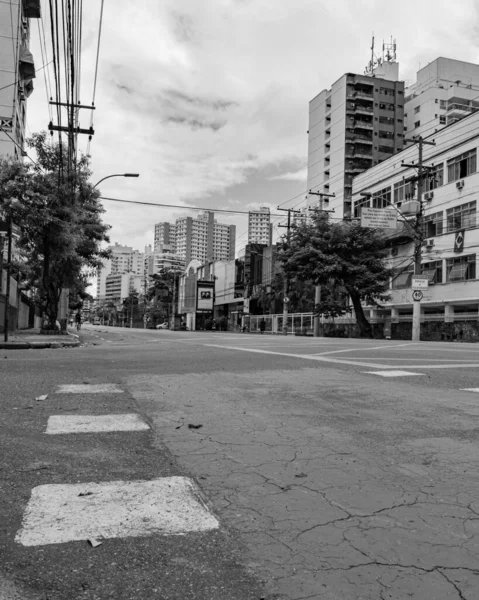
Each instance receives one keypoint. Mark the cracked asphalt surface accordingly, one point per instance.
(336, 484)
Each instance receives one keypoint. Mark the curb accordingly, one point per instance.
(37, 345)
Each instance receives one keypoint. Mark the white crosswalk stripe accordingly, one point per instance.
(392, 373)
(60, 513)
(58, 424)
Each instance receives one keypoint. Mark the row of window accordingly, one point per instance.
(462, 268)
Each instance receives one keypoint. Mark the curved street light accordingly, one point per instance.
(117, 175)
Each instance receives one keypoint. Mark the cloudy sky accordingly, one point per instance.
(208, 99)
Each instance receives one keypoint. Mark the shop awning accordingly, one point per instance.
(27, 65)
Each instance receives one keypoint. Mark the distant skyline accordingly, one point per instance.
(208, 101)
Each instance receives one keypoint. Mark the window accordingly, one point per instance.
(417, 109)
(382, 198)
(402, 278)
(442, 120)
(417, 124)
(433, 225)
(386, 91)
(461, 166)
(461, 269)
(433, 270)
(389, 135)
(386, 106)
(442, 104)
(435, 178)
(399, 120)
(386, 149)
(436, 100)
(461, 217)
(404, 190)
(386, 120)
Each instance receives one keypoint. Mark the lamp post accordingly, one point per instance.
(117, 175)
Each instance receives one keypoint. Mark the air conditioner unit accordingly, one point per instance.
(429, 196)
(429, 243)
(460, 184)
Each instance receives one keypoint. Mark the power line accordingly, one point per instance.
(221, 210)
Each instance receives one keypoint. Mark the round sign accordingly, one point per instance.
(286, 299)
(417, 295)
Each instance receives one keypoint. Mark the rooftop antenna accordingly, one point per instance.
(374, 61)
(389, 51)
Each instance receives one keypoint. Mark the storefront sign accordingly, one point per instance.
(205, 293)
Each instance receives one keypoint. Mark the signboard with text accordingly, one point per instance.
(205, 293)
(420, 282)
(378, 218)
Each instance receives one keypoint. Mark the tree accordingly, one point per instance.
(59, 214)
(339, 256)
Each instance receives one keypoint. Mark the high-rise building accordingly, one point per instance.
(357, 123)
(123, 260)
(17, 71)
(202, 238)
(445, 91)
(259, 226)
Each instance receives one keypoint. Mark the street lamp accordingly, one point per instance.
(117, 175)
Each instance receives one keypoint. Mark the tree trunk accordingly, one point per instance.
(365, 329)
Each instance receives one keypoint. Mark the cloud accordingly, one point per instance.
(206, 98)
(291, 176)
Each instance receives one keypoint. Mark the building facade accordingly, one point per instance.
(445, 91)
(201, 238)
(123, 260)
(17, 71)
(260, 229)
(354, 125)
(449, 256)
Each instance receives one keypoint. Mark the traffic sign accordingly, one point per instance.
(420, 282)
(417, 295)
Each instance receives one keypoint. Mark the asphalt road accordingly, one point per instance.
(333, 469)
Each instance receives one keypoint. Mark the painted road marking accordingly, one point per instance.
(58, 513)
(94, 423)
(89, 388)
(470, 390)
(365, 348)
(392, 373)
(340, 361)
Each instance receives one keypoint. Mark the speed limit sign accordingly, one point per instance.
(417, 295)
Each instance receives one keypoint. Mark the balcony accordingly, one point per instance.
(363, 125)
(459, 110)
(360, 138)
(363, 95)
(361, 108)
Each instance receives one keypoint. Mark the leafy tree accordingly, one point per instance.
(162, 286)
(59, 214)
(339, 256)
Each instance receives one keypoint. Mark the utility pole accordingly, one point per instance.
(286, 278)
(317, 289)
(421, 171)
(6, 322)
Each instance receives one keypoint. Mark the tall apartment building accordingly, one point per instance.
(165, 235)
(17, 70)
(445, 91)
(202, 238)
(357, 123)
(123, 260)
(259, 226)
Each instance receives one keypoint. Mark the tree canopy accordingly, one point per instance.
(59, 214)
(344, 258)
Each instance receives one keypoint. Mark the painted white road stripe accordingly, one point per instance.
(89, 388)
(341, 361)
(470, 390)
(366, 348)
(94, 423)
(392, 373)
(59, 513)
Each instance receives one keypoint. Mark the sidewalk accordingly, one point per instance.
(25, 339)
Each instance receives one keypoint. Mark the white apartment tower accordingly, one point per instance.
(123, 260)
(259, 226)
(202, 238)
(17, 71)
(445, 91)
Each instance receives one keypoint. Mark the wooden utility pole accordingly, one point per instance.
(317, 289)
(422, 171)
(286, 278)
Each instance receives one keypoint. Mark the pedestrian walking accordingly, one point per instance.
(262, 326)
(78, 320)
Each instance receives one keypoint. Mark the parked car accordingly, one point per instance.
(163, 326)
